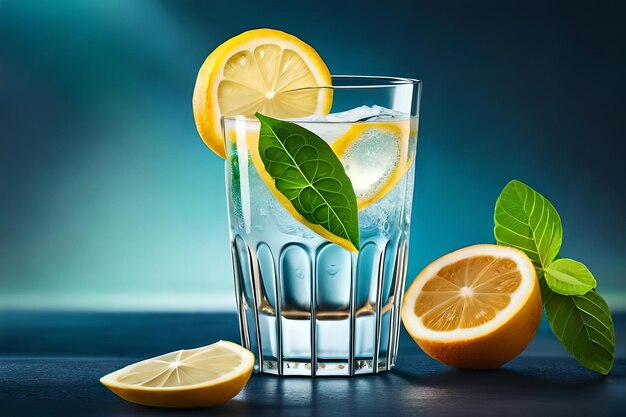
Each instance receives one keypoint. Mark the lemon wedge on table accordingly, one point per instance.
(375, 157)
(201, 377)
(261, 70)
(478, 307)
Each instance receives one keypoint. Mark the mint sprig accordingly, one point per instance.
(578, 316)
(311, 177)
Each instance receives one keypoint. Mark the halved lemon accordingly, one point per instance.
(375, 157)
(201, 377)
(477, 308)
(262, 70)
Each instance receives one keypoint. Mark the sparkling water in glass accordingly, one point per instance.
(306, 305)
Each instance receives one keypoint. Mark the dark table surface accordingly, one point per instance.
(50, 363)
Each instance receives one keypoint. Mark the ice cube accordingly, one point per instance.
(387, 114)
(354, 115)
(330, 126)
(369, 114)
(358, 114)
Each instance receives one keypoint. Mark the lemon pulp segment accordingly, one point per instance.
(467, 293)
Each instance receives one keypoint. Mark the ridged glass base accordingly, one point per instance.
(320, 311)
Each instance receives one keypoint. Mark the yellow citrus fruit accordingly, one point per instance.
(475, 308)
(201, 377)
(262, 70)
(375, 156)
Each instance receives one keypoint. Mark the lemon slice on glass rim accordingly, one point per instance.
(201, 377)
(261, 70)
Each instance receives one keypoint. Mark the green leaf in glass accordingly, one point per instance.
(583, 325)
(569, 277)
(527, 220)
(306, 171)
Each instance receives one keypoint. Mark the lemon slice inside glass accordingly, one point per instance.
(262, 70)
(375, 157)
(201, 377)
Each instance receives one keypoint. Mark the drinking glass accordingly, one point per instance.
(307, 306)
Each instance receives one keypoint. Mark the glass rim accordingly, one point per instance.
(382, 81)
(366, 82)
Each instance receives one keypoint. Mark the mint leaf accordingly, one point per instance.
(308, 173)
(569, 277)
(583, 325)
(526, 220)
(578, 316)
(235, 184)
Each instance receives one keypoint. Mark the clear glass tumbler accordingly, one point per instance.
(306, 305)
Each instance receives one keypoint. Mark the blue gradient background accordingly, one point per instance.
(109, 199)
